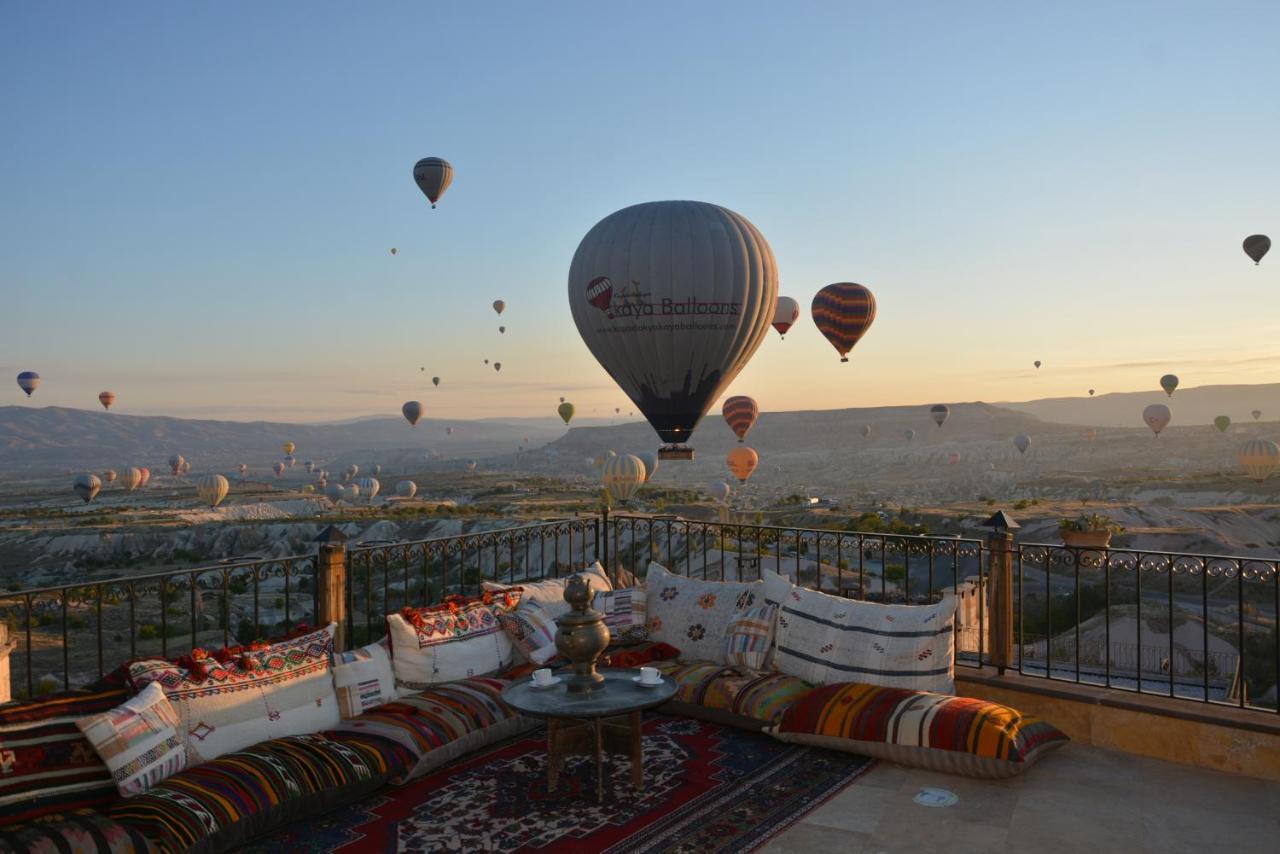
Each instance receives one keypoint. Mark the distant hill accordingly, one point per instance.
(1198, 405)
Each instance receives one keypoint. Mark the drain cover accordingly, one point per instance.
(936, 798)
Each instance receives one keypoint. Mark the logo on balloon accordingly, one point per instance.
(600, 294)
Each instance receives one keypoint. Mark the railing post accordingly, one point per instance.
(604, 530)
(1000, 598)
(331, 589)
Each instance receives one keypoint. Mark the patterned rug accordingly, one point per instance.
(708, 788)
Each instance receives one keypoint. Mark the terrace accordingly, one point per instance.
(1161, 667)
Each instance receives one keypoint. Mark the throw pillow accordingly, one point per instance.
(267, 690)
(624, 614)
(750, 638)
(139, 740)
(458, 639)
(532, 630)
(694, 615)
(363, 679)
(550, 592)
(824, 639)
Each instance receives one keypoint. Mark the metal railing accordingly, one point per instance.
(72, 635)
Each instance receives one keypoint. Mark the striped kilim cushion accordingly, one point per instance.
(81, 831)
(443, 722)
(218, 805)
(46, 764)
(750, 638)
(958, 735)
(140, 740)
(762, 697)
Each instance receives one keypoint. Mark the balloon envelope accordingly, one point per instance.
(674, 324)
(433, 175)
(909, 434)
(86, 486)
(623, 475)
(740, 413)
(369, 487)
(719, 490)
(742, 462)
(175, 463)
(650, 461)
(843, 312)
(106, 398)
(1157, 416)
(1022, 441)
(1256, 246)
(1258, 457)
(406, 489)
(109, 476)
(130, 478)
(1168, 382)
(953, 458)
(1036, 363)
(335, 492)
(865, 430)
(28, 381)
(1257, 413)
(146, 475)
(212, 489)
(412, 410)
(278, 468)
(1222, 422)
(939, 414)
(499, 306)
(785, 313)
(435, 381)
(565, 411)
(289, 447)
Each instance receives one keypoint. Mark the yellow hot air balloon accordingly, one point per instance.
(288, 447)
(212, 489)
(1258, 457)
(742, 462)
(623, 475)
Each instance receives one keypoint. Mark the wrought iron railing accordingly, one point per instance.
(71, 635)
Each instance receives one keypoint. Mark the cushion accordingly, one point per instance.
(712, 692)
(268, 690)
(79, 831)
(457, 639)
(749, 641)
(956, 735)
(219, 805)
(141, 740)
(624, 614)
(443, 722)
(47, 766)
(826, 639)
(533, 631)
(363, 679)
(694, 615)
(550, 593)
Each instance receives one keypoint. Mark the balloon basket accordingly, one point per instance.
(675, 452)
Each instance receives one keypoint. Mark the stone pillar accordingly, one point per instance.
(331, 590)
(1000, 599)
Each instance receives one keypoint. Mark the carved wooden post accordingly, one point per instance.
(1000, 598)
(331, 583)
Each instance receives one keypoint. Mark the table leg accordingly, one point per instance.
(637, 752)
(553, 756)
(599, 761)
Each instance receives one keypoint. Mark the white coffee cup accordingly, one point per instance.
(542, 677)
(650, 675)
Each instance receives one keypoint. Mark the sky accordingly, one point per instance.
(199, 200)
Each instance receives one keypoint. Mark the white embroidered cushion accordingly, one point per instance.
(693, 615)
(825, 639)
(363, 679)
(451, 641)
(532, 631)
(278, 689)
(550, 593)
(139, 741)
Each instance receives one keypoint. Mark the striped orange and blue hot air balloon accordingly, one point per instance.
(741, 413)
(843, 313)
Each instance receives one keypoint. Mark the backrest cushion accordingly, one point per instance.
(140, 740)
(363, 679)
(459, 639)
(749, 640)
(694, 615)
(532, 630)
(550, 593)
(625, 614)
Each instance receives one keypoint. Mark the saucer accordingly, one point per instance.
(639, 681)
(555, 680)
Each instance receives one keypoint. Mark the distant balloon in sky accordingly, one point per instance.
(673, 325)
(309, 465)
(471, 465)
(352, 470)
(1256, 246)
(289, 447)
(742, 462)
(1168, 382)
(865, 430)
(106, 398)
(435, 381)
(146, 476)
(1037, 364)
(650, 460)
(448, 431)
(244, 469)
(1222, 422)
(785, 313)
(843, 312)
(486, 361)
(502, 330)
(369, 487)
(130, 478)
(497, 366)
(623, 476)
(1090, 434)
(909, 434)
(939, 413)
(212, 489)
(562, 400)
(433, 175)
(278, 468)
(1090, 392)
(377, 469)
(565, 411)
(1157, 416)
(28, 381)
(175, 463)
(289, 461)
(406, 489)
(499, 306)
(1258, 457)
(617, 410)
(740, 412)
(953, 458)
(393, 250)
(1022, 441)
(719, 490)
(86, 486)
(1257, 413)
(335, 492)
(109, 476)
(412, 410)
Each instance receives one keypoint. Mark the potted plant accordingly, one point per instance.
(1089, 531)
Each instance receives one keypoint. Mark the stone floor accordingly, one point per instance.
(1077, 799)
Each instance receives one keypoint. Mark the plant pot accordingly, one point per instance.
(1086, 539)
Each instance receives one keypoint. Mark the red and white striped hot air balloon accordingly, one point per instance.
(106, 398)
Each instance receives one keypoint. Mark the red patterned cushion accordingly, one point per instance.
(80, 831)
(46, 764)
(959, 735)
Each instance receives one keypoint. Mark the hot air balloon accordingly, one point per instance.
(486, 361)
(1222, 422)
(86, 486)
(623, 475)
(634, 310)
(351, 470)
(106, 398)
(565, 411)
(435, 381)
(1022, 441)
(909, 434)
(617, 410)
(243, 469)
(186, 466)
(369, 487)
(412, 410)
(502, 330)
(742, 462)
(471, 465)
(650, 460)
(278, 468)
(130, 478)
(289, 447)
(785, 313)
(109, 476)
(865, 430)
(335, 492)
(146, 476)
(562, 400)
(1257, 413)
(175, 463)
(289, 461)
(406, 489)
(393, 250)
(28, 381)
(843, 312)
(448, 431)
(433, 175)
(1256, 246)
(212, 489)
(1090, 392)
(309, 489)
(953, 458)
(1258, 457)
(1037, 364)
(309, 465)
(939, 413)
(719, 490)
(740, 412)
(1168, 382)
(1157, 417)
(497, 366)
(499, 306)
(1090, 434)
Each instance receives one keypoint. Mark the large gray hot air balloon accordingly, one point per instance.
(673, 298)
(939, 414)
(1157, 417)
(412, 410)
(909, 434)
(86, 486)
(406, 489)
(28, 381)
(335, 492)
(1022, 441)
(650, 460)
(1256, 246)
(719, 490)
(1169, 382)
(175, 463)
(433, 175)
(278, 468)
(865, 430)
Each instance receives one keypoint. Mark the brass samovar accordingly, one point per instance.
(581, 636)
